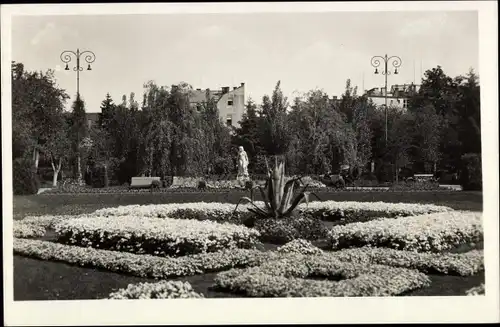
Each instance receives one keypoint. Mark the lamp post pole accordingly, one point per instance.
(89, 58)
(396, 63)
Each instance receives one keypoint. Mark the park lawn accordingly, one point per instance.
(45, 280)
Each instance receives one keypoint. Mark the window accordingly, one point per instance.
(229, 120)
(405, 103)
(230, 102)
(89, 123)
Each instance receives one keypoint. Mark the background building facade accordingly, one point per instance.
(397, 97)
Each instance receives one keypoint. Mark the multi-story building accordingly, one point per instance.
(231, 103)
(397, 97)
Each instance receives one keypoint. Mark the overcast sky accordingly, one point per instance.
(304, 51)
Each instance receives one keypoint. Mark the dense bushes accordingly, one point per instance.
(24, 178)
(471, 176)
(281, 231)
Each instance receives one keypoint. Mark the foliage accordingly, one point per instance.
(279, 199)
(275, 135)
(471, 175)
(24, 178)
(281, 231)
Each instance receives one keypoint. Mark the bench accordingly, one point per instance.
(423, 177)
(143, 182)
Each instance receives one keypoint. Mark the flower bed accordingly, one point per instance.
(139, 265)
(290, 277)
(160, 290)
(462, 264)
(137, 234)
(433, 232)
(340, 212)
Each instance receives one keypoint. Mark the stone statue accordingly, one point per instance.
(242, 164)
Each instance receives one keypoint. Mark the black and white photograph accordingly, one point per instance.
(215, 161)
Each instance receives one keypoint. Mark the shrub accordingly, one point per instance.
(155, 185)
(416, 186)
(284, 230)
(202, 185)
(471, 176)
(384, 172)
(24, 179)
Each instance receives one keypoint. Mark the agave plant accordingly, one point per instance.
(278, 195)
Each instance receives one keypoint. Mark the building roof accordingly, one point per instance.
(94, 116)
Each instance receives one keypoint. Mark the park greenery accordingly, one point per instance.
(165, 135)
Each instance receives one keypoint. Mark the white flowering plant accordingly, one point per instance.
(140, 265)
(154, 236)
(26, 230)
(297, 276)
(299, 246)
(160, 290)
(431, 232)
(462, 264)
(341, 212)
(36, 226)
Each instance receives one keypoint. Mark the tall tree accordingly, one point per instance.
(79, 131)
(275, 134)
(247, 134)
(37, 104)
(107, 112)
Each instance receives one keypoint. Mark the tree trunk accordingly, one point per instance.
(79, 169)
(106, 179)
(36, 157)
(396, 169)
(56, 171)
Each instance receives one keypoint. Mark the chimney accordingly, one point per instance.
(225, 89)
(235, 87)
(198, 89)
(242, 84)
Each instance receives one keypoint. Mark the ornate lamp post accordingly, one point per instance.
(66, 58)
(396, 63)
(89, 58)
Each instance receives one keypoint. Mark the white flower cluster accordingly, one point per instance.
(138, 234)
(432, 232)
(161, 290)
(36, 226)
(463, 264)
(477, 290)
(139, 265)
(347, 209)
(326, 210)
(290, 276)
(26, 230)
(299, 246)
